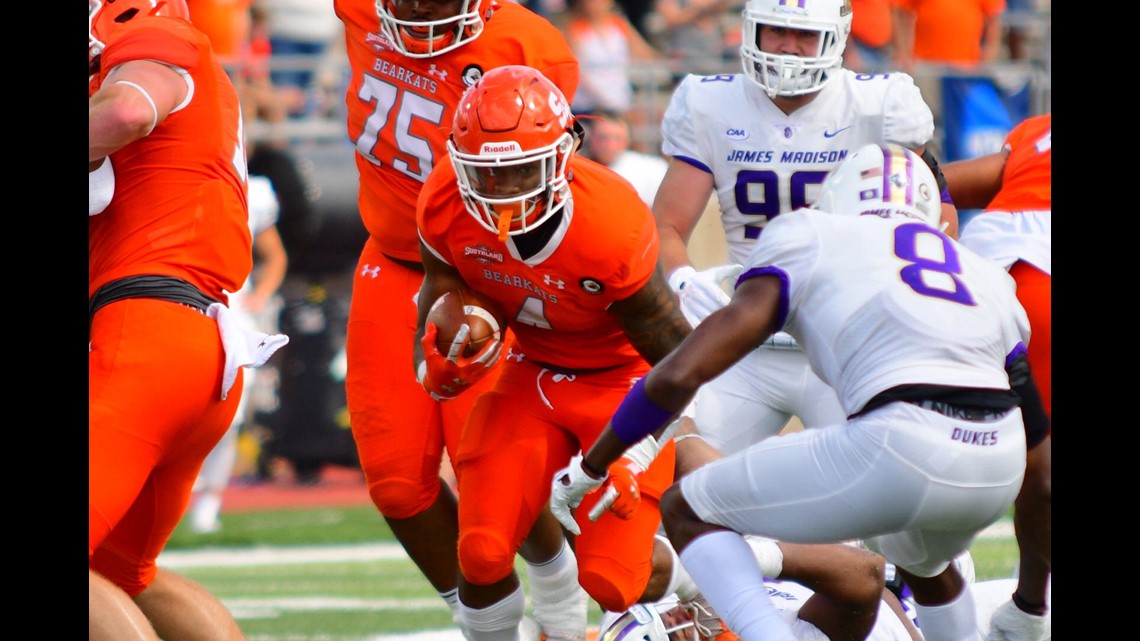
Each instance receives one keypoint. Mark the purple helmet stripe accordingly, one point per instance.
(898, 176)
(614, 634)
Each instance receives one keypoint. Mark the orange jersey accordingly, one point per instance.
(557, 302)
(871, 22)
(950, 30)
(179, 207)
(225, 22)
(1026, 183)
(400, 109)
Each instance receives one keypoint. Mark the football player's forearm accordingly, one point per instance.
(652, 319)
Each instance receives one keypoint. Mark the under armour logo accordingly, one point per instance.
(370, 271)
(512, 355)
(442, 73)
(560, 284)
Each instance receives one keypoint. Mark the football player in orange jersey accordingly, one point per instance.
(1014, 185)
(410, 61)
(161, 256)
(568, 250)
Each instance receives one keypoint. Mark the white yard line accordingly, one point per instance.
(269, 608)
(265, 555)
(271, 555)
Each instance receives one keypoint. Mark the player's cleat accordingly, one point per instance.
(201, 526)
(529, 630)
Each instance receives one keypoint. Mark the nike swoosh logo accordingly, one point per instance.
(832, 134)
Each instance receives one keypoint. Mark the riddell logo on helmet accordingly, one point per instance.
(499, 147)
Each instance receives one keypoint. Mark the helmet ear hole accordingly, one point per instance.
(127, 15)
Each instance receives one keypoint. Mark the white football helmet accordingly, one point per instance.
(882, 180)
(790, 75)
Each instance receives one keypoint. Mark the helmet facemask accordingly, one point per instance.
(429, 38)
(666, 620)
(512, 191)
(791, 75)
(94, 44)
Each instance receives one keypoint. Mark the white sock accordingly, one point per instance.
(560, 603)
(553, 573)
(498, 621)
(727, 574)
(451, 598)
(953, 621)
(206, 509)
(680, 583)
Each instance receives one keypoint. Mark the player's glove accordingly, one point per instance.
(570, 484)
(703, 292)
(623, 494)
(1011, 623)
(447, 376)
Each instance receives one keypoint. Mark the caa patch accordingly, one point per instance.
(591, 286)
(472, 74)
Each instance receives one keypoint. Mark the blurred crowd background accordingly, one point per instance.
(982, 66)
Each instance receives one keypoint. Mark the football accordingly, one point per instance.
(459, 306)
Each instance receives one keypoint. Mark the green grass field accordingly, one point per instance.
(351, 592)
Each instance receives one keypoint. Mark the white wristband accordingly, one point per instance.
(421, 372)
(644, 451)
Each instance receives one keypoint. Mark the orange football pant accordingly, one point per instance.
(154, 395)
(518, 436)
(400, 432)
(1035, 292)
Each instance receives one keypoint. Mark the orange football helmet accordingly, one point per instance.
(422, 36)
(511, 144)
(106, 17)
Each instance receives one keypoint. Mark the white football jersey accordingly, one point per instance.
(789, 597)
(264, 210)
(879, 302)
(764, 161)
